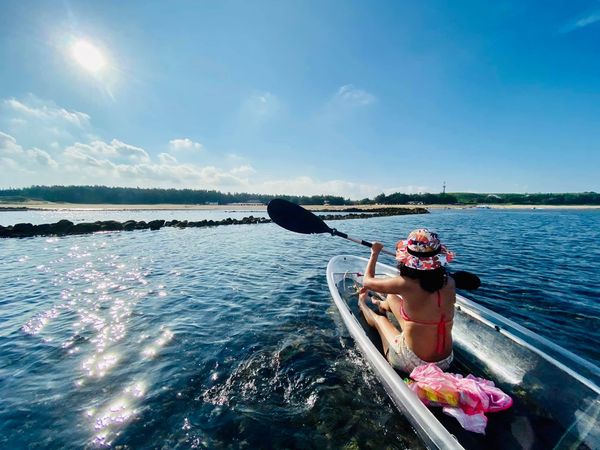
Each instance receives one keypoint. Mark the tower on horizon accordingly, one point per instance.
(444, 189)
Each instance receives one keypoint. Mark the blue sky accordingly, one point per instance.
(302, 97)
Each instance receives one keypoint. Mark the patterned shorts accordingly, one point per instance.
(403, 358)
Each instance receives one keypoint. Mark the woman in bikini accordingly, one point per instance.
(422, 300)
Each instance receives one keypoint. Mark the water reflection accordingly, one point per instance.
(117, 412)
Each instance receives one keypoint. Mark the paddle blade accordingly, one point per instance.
(295, 218)
(466, 280)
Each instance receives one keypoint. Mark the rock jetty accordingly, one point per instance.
(66, 227)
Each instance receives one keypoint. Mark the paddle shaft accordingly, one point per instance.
(358, 241)
(295, 218)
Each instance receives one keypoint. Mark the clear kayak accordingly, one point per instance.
(556, 393)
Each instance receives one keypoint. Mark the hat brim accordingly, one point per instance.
(442, 259)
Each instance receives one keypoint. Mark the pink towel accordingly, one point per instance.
(467, 399)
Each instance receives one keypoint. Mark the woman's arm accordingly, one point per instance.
(383, 285)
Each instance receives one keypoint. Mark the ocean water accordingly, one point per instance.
(226, 337)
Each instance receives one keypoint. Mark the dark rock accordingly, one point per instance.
(43, 229)
(61, 227)
(129, 225)
(4, 231)
(85, 228)
(111, 225)
(156, 224)
(23, 228)
(141, 225)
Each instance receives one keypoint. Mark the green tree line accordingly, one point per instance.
(149, 196)
(467, 198)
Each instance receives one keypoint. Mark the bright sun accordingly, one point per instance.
(88, 56)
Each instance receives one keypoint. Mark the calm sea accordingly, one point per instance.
(227, 337)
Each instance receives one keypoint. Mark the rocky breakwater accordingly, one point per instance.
(66, 227)
(360, 213)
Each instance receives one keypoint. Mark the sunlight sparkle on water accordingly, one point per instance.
(99, 365)
(117, 412)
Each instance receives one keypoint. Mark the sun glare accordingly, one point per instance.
(88, 56)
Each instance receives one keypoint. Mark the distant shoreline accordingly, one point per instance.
(49, 206)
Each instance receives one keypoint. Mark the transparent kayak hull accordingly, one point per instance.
(556, 393)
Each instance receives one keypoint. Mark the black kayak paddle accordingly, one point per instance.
(295, 218)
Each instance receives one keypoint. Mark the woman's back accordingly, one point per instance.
(426, 318)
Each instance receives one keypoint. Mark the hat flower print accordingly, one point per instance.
(422, 250)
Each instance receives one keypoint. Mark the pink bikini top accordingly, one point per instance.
(441, 324)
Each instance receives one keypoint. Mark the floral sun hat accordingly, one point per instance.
(422, 250)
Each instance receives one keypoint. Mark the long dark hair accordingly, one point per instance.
(430, 280)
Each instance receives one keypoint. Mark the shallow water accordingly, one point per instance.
(227, 337)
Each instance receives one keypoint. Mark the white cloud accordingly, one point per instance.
(352, 96)
(244, 170)
(115, 151)
(42, 158)
(47, 111)
(8, 144)
(346, 101)
(305, 185)
(588, 20)
(263, 103)
(116, 163)
(184, 144)
(113, 163)
(235, 157)
(167, 159)
(258, 108)
(18, 159)
(584, 21)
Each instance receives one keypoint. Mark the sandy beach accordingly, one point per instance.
(51, 206)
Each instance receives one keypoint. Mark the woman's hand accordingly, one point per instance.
(376, 248)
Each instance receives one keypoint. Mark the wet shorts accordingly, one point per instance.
(403, 358)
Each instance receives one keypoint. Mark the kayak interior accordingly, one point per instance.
(556, 395)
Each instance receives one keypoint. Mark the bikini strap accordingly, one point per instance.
(441, 339)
